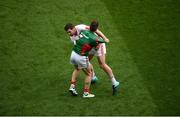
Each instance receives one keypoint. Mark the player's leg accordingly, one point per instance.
(75, 73)
(101, 52)
(74, 60)
(94, 77)
(87, 82)
(101, 56)
(106, 68)
(109, 72)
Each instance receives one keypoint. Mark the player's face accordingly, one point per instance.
(71, 32)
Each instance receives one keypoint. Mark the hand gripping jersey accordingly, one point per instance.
(87, 40)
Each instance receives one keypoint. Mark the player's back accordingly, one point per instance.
(87, 40)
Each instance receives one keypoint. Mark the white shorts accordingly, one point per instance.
(101, 51)
(79, 61)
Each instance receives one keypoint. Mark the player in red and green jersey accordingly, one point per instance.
(87, 40)
(74, 32)
(79, 57)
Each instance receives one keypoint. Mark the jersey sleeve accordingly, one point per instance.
(81, 27)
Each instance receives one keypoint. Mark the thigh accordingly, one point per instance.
(101, 59)
(102, 50)
(87, 70)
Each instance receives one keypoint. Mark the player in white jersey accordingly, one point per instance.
(73, 32)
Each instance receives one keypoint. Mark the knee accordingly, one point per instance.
(89, 73)
(102, 66)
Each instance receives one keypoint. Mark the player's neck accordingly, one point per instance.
(75, 33)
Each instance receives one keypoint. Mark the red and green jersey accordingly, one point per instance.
(87, 40)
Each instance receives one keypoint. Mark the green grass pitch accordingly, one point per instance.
(144, 54)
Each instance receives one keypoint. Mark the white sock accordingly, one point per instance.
(113, 80)
(93, 76)
(72, 86)
(86, 93)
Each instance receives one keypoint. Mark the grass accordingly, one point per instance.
(151, 33)
(143, 53)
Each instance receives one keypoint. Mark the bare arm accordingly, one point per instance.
(99, 33)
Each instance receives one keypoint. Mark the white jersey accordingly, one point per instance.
(79, 28)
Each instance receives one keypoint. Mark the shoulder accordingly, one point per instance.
(82, 27)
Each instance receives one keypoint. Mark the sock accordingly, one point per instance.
(113, 80)
(93, 75)
(73, 84)
(86, 91)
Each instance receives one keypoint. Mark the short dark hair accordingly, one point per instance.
(94, 25)
(68, 26)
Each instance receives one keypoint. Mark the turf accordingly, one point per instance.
(143, 53)
(151, 32)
